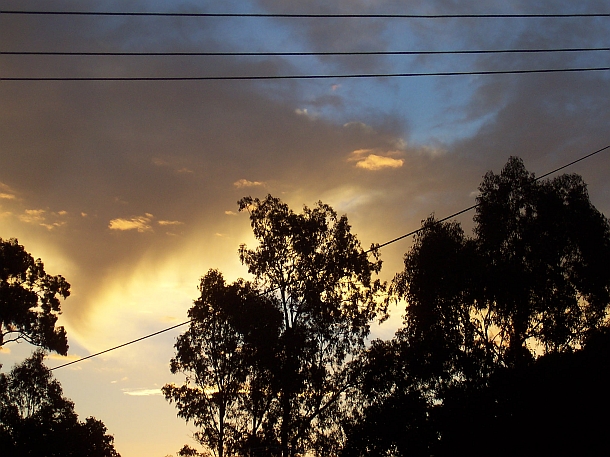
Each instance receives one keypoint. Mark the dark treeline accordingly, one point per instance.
(505, 336)
(503, 347)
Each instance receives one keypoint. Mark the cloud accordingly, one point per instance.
(53, 225)
(142, 392)
(139, 223)
(376, 162)
(245, 183)
(33, 216)
(64, 358)
(160, 162)
(166, 223)
(6, 193)
(230, 213)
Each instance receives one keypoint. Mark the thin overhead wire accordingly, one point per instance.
(465, 210)
(300, 53)
(280, 77)
(306, 15)
(379, 246)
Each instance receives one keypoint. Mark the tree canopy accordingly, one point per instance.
(30, 300)
(531, 284)
(268, 362)
(503, 331)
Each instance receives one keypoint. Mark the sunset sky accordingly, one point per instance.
(129, 188)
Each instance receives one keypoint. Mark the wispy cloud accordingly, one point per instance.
(41, 217)
(365, 159)
(140, 223)
(245, 183)
(170, 223)
(64, 358)
(142, 392)
(33, 216)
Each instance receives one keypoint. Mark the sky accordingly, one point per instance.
(129, 189)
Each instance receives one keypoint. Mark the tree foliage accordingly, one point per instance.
(37, 420)
(532, 282)
(269, 363)
(226, 355)
(30, 300)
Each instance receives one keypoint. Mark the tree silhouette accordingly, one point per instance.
(29, 300)
(545, 251)
(532, 283)
(37, 420)
(226, 355)
(278, 351)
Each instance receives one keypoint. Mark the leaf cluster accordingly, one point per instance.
(30, 300)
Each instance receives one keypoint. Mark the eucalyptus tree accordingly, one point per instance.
(226, 355)
(533, 280)
(30, 300)
(278, 352)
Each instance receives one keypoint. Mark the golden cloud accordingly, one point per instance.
(64, 358)
(139, 223)
(245, 183)
(142, 392)
(376, 162)
(40, 217)
(166, 223)
(6, 196)
(53, 225)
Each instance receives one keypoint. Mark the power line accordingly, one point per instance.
(306, 15)
(465, 210)
(299, 53)
(121, 345)
(278, 77)
(379, 246)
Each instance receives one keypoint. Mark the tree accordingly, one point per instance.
(36, 420)
(533, 281)
(226, 355)
(291, 341)
(29, 300)
(545, 250)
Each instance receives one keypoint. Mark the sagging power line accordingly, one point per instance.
(302, 77)
(376, 247)
(299, 53)
(308, 15)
